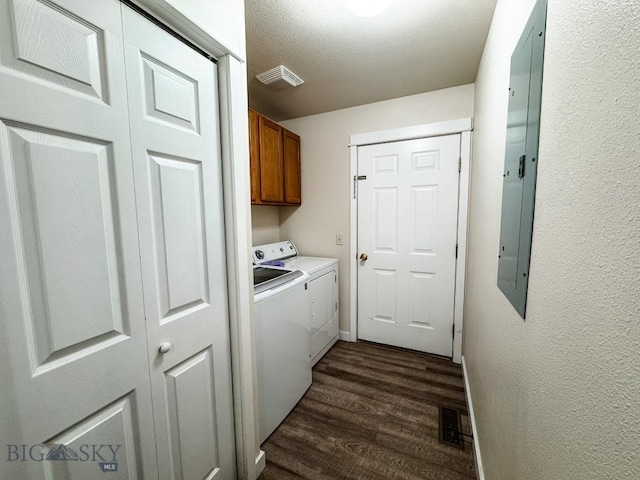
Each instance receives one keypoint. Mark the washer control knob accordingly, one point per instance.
(259, 254)
(281, 249)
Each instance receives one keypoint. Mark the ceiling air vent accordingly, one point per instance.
(279, 74)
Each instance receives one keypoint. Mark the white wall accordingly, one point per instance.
(326, 184)
(214, 24)
(265, 224)
(558, 396)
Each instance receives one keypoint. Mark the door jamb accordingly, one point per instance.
(462, 126)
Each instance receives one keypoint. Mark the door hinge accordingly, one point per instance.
(459, 164)
(335, 279)
(355, 181)
(453, 330)
(456, 250)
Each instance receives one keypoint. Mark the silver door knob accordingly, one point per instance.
(364, 257)
(164, 347)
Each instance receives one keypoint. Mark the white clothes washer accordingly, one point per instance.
(323, 291)
(282, 330)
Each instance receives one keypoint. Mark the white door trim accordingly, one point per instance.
(462, 126)
(439, 129)
(235, 178)
(234, 139)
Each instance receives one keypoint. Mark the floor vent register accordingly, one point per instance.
(450, 428)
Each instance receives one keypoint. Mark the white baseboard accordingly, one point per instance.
(261, 462)
(345, 336)
(472, 418)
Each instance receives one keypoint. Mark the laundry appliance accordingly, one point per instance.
(323, 290)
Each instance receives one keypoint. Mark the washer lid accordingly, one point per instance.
(267, 278)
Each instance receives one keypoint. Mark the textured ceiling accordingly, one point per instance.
(415, 46)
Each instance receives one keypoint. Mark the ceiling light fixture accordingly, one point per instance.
(368, 8)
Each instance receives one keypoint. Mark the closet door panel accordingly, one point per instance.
(176, 152)
(73, 345)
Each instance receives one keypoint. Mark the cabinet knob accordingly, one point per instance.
(164, 347)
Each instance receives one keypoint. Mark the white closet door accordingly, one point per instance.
(175, 136)
(73, 347)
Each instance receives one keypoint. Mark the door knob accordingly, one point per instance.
(364, 257)
(164, 347)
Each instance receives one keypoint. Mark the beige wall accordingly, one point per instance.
(265, 224)
(326, 184)
(558, 397)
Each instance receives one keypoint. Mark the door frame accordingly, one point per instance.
(234, 141)
(462, 126)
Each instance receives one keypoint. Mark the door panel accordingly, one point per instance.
(407, 225)
(65, 210)
(69, 51)
(178, 217)
(420, 299)
(116, 423)
(386, 220)
(192, 417)
(424, 201)
(70, 283)
(386, 289)
(179, 199)
(170, 97)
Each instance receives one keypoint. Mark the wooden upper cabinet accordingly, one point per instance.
(271, 161)
(254, 155)
(275, 163)
(292, 187)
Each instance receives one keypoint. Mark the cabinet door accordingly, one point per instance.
(254, 155)
(292, 191)
(271, 164)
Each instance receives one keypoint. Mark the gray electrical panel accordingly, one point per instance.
(521, 160)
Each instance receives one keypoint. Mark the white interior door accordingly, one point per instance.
(407, 229)
(176, 152)
(73, 347)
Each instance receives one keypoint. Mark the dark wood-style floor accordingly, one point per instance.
(372, 413)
